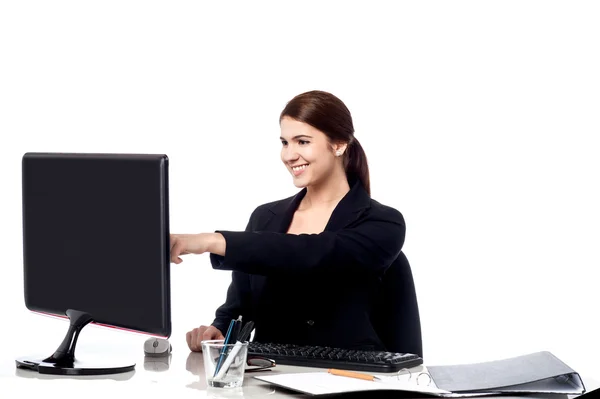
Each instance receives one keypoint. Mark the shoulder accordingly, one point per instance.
(380, 211)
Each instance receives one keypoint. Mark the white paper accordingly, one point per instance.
(321, 383)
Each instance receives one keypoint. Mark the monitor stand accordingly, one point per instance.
(63, 361)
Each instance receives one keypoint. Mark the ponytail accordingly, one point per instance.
(355, 164)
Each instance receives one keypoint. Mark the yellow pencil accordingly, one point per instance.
(353, 374)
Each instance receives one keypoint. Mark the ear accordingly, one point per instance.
(339, 149)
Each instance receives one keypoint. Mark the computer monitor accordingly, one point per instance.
(96, 247)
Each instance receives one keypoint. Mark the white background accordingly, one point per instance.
(479, 119)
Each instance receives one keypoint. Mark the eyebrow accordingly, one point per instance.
(298, 137)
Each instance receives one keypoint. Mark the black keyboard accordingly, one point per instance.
(326, 357)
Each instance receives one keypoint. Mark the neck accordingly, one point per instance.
(327, 193)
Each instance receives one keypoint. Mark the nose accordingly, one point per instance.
(289, 154)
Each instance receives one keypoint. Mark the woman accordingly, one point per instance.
(308, 268)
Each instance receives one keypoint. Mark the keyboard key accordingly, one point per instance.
(326, 357)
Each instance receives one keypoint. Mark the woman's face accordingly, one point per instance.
(307, 153)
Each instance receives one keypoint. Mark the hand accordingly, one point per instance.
(183, 244)
(204, 333)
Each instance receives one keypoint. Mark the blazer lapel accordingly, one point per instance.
(280, 213)
(347, 211)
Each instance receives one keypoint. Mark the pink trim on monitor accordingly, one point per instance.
(100, 324)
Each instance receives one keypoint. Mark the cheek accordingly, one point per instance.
(324, 157)
(309, 154)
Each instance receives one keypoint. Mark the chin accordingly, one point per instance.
(299, 183)
(304, 181)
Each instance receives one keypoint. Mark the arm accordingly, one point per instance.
(369, 247)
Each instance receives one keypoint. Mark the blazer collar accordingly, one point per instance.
(347, 210)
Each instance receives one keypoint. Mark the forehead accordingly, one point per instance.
(291, 128)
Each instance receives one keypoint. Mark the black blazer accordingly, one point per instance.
(311, 289)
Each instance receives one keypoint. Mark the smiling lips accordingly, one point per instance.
(297, 170)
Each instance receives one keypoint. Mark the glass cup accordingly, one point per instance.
(224, 365)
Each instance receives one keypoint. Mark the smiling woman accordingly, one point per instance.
(314, 126)
(308, 269)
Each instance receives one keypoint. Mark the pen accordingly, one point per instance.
(242, 337)
(224, 348)
(353, 374)
(246, 331)
(236, 330)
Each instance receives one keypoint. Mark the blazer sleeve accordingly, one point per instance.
(369, 247)
(238, 300)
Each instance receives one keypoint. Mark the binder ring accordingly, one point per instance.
(424, 373)
(417, 379)
(400, 371)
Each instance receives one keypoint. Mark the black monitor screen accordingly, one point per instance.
(96, 238)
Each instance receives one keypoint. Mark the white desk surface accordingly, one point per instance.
(180, 376)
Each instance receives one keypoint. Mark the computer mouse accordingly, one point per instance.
(157, 347)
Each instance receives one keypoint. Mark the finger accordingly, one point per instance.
(218, 334)
(199, 342)
(175, 252)
(193, 337)
(188, 339)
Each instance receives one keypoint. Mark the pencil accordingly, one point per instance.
(353, 374)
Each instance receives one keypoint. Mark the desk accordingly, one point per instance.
(179, 376)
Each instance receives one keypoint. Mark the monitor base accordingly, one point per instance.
(63, 361)
(76, 368)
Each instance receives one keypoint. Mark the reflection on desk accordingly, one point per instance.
(157, 363)
(23, 373)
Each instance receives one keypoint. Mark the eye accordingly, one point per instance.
(302, 142)
(283, 142)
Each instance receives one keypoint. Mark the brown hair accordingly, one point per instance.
(329, 114)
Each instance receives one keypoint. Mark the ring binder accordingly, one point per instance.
(539, 372)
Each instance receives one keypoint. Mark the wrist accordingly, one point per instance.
(215, 243)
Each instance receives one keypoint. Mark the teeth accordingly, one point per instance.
(297, 168)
